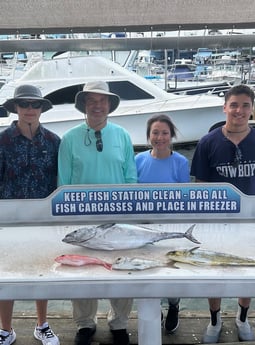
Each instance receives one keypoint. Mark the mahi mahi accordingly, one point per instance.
(199, 257)
(121, 236)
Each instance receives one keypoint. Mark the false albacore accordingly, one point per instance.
(121, 236)
(199, 257)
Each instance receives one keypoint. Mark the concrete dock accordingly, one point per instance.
(192, 325)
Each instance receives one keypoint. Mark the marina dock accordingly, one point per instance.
(192, 325)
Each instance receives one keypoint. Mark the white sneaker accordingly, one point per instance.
(212, 334)
(7, 339)
(46, 336)
(244, 330)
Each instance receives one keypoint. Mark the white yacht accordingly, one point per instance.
(61, 78)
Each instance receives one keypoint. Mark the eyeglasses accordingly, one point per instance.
(238, 157)
(99, 142)
(26, 104)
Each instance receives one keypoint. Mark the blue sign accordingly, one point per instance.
(152, 199)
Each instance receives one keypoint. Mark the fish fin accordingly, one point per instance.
(189, 236)
(106, 226)
(193, 249)
(193, 263)
(171, 264)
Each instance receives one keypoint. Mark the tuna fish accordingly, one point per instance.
(121, 236)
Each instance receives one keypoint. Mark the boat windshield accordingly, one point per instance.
(124, 89)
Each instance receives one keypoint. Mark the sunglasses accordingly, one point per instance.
(99, 142)
(238, 157)
(26, 104)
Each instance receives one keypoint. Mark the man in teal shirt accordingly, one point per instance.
(97, 152)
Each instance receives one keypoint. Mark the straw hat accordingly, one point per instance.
(27, 92)
(100, 87)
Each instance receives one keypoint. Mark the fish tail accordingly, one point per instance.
(189, 236)
(107, 266)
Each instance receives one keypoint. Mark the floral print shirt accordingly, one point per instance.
(28, 168)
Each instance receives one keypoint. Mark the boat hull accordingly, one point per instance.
(191, 123)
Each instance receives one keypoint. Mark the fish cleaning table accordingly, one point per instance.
(32, 232)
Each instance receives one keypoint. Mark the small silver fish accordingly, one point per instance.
(137, 264)
(121, 236)
(199, 257)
